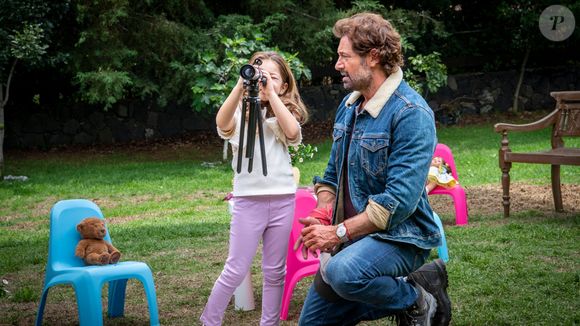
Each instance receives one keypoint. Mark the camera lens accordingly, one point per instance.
(249, 72)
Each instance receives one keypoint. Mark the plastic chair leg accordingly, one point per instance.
(116, 305)
(149, 286)
(442, 250)
(117, 294)
(40, 312)
(90, 306)
(287, 297)
(460, 206)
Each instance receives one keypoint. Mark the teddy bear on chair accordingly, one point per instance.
(93, 249)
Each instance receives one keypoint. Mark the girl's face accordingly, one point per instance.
(275, 78)
(436, 161)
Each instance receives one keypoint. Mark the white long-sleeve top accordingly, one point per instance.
(279, 179)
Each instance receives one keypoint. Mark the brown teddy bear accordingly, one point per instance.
(92, 248)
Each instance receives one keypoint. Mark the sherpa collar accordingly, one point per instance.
(376, 103)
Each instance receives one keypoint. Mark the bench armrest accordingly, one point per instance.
(536, 125)
(566, 96)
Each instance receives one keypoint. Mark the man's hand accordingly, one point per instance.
(319, 217)
(320, 237)
(315, 236)
(306, 222)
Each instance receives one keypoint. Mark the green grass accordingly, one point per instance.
(165, 207)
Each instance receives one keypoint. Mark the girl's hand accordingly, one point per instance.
(225, 116)
(239, 85)
(266, 92)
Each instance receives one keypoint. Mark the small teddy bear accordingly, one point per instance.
(92, 248)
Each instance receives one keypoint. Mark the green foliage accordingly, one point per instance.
(27, 29)
(217, 74)
(427, 73)
(520, 17)
(302, 152)
(359, 6)
(101, 58)
(134, 49)
(119, 50)
(182, 52)
(217, 69)
(28, 44)
(494, 35)
(300, 26)
(105, 86)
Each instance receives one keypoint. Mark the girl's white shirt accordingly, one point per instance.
(279, 179)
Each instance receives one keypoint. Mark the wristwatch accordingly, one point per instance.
(341, 233)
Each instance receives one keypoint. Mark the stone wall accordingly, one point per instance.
(89, 125)
(481, 93)
(465, 94)
(478, 93)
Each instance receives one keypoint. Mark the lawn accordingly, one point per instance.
(164, 207)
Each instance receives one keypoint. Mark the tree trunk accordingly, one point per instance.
(520, 80)
(3, 102)
(1, 139)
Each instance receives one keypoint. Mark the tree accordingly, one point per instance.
(26, 31)
(523, 16)
(217, 70)
(424, 72)
(28, 46)
(137, 49)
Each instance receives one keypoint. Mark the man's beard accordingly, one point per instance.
(362, 80)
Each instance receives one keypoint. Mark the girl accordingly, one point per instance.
(263, 205)
(439, 175)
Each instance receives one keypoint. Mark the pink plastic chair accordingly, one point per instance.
(457, 193)
(297, 267)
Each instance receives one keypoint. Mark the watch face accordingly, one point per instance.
(341, 231)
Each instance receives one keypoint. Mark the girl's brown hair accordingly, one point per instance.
(369, 31)
(290, 97)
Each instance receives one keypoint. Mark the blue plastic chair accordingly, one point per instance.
(63, 267)
(442, 250)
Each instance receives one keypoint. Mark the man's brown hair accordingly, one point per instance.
(369, 31)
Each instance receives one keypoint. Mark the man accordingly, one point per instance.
(373, 191)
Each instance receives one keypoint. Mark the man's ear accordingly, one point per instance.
(373, 58)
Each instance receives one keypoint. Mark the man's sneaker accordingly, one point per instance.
(421, 313)
(433, 278)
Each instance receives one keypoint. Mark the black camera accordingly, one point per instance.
(252, 73)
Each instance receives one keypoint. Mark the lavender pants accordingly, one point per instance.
(254, 217)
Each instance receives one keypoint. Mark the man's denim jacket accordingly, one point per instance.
(388, 162)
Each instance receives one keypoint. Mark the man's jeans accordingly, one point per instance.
(368, 276)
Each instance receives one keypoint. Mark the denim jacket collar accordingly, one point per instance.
(383, 94)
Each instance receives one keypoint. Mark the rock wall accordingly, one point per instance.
(479, 93)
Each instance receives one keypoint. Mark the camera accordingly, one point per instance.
(252, 73)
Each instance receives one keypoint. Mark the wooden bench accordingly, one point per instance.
(565, 122)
